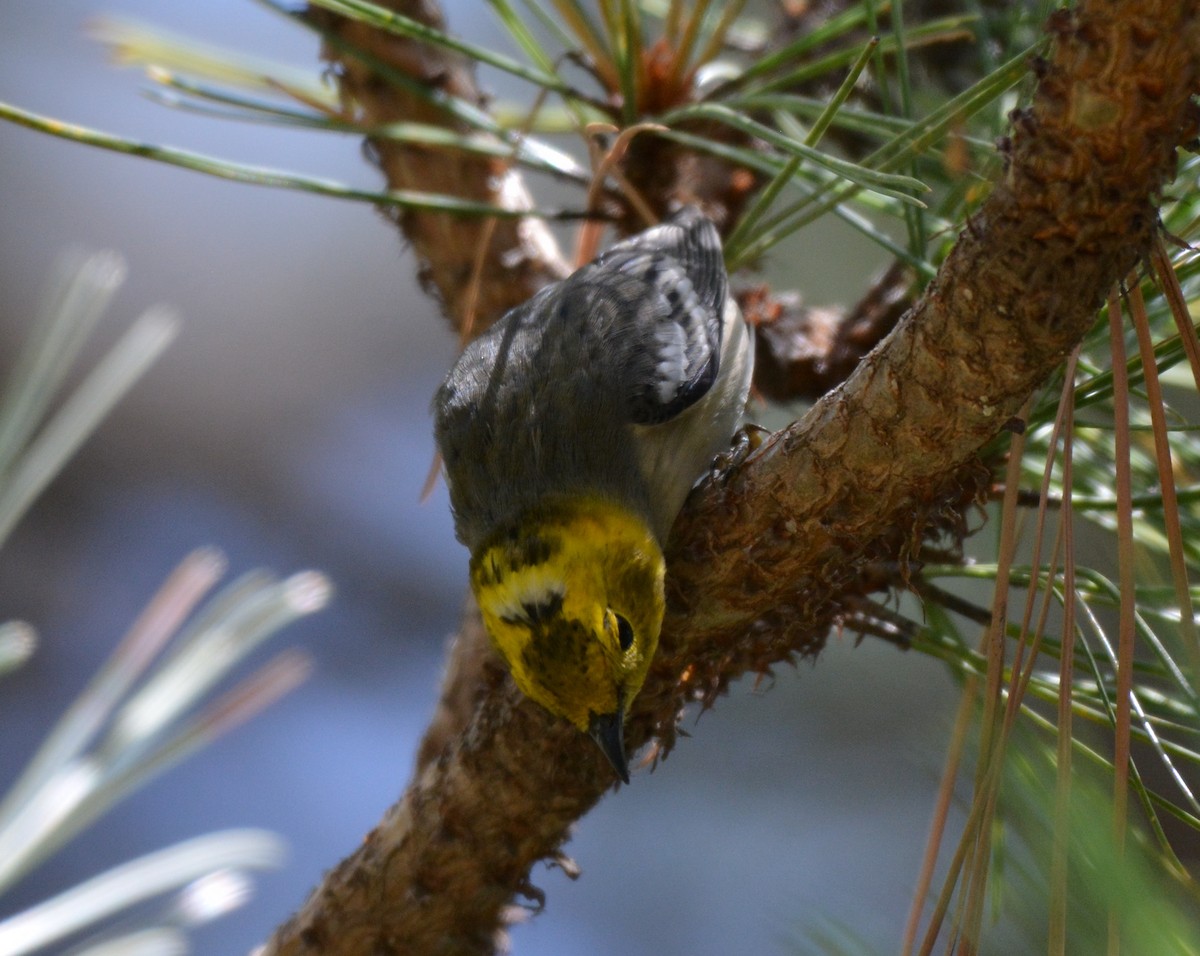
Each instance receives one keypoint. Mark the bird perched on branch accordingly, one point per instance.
(571, 433)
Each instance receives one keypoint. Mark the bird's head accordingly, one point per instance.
(572, 597)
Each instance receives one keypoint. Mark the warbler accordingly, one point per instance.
(571, 432)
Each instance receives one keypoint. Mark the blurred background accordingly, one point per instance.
(289, 426)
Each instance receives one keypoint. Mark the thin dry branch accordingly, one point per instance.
(766, 554)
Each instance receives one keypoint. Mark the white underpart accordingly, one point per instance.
(674, 454)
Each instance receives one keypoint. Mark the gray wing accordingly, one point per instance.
(540, 402)
(665, 289)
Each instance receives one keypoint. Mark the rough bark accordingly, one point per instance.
(769, 554)
(803, 351)
(519, 254)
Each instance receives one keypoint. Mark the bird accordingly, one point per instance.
(571, 432)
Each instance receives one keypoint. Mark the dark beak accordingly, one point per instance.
(608, 731)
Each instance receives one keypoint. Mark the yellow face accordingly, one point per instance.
(574, 604)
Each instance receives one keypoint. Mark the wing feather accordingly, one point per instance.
(665, 289)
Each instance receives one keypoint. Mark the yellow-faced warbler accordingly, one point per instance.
(571, 432)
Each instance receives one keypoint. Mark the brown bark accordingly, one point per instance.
(520, 254)
(802, 351)
(772, 551)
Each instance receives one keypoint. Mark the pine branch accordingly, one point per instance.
(519, 255)
(768, 554)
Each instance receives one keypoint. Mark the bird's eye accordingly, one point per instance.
(624, 633)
